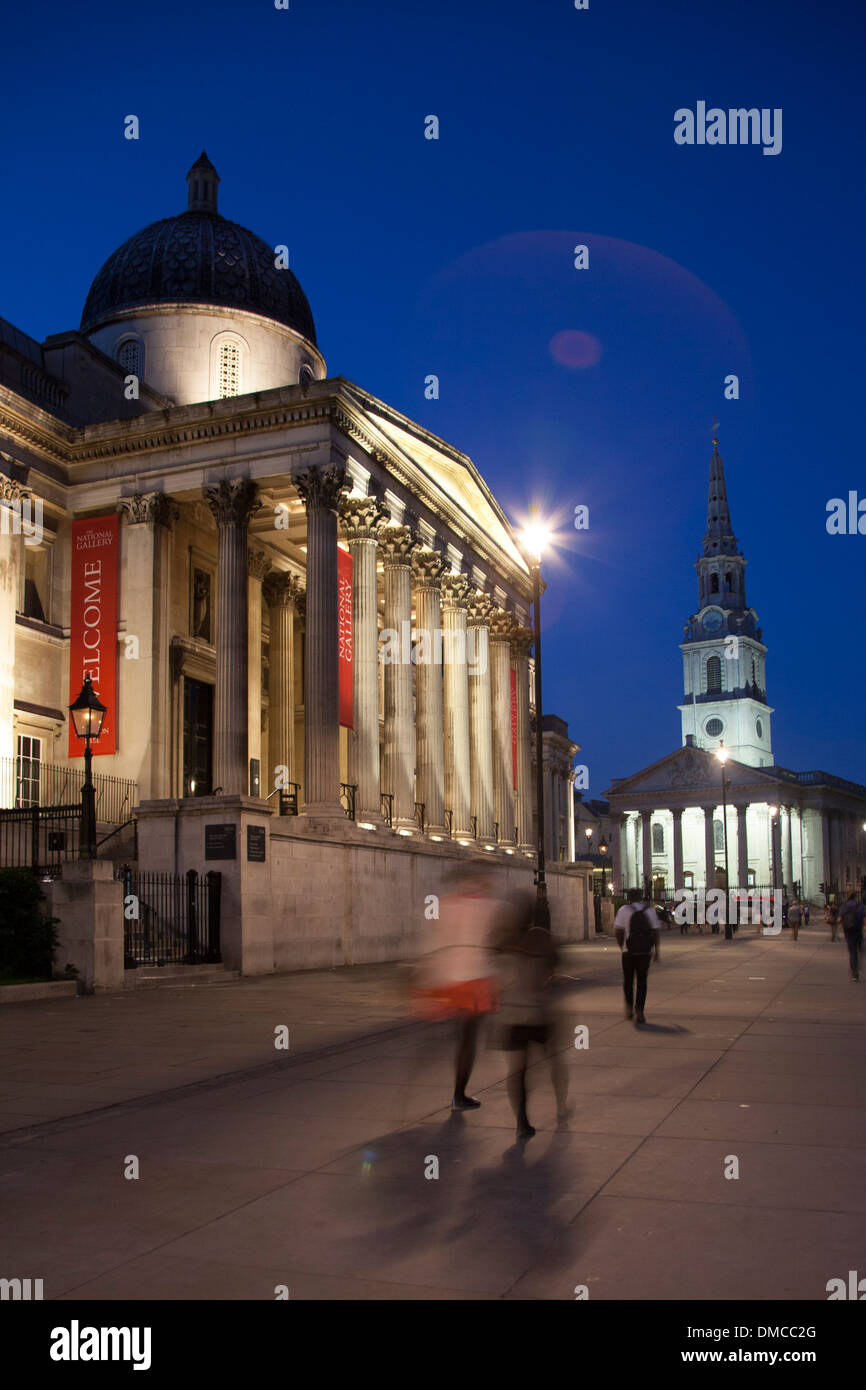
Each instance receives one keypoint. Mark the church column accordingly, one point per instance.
(455, 675)
(480, 720)
(569, 814)
(677, 813)
(361, 519)
(11, 494)
(525, 791)
(619, 856)
(146, 594)
(742, 849)
(787, 853)
(232, 505)
(647, 851)
(836, 859)
(397, 544)
(501, 628)
(428, 568)
(709, 848)
(282, 592)
(320, 490)
(259, 564)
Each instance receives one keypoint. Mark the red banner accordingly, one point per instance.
(513, 675)
(93, 624)
(344, 637)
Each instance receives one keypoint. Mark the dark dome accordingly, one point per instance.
(198, 258)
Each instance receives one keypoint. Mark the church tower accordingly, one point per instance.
(724, 672)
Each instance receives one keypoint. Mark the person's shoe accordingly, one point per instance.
(465, 1103)
(855, 975)
(525, 1131)
(629, 1013)
(639, 1017)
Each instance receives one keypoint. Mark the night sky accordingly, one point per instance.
(455, 257)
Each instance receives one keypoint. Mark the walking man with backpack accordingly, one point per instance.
(638, 933)
(851, 917)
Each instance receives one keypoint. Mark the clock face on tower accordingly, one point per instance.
(712, 622)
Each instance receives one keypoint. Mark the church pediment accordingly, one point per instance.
(687, 769)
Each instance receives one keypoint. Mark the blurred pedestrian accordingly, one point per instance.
(831, 918)
(851, 917)
(638, 933)
(455, 981)
(528, 959)
(795, 917)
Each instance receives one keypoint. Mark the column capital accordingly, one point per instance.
(397, 544)
(233, 503)
(155, 507)
(455, 592)
(676, 811)
(322, 487)
(282, 589)
(361, 518)
(502, 625)
(480, 609)
(521, 640)
(10, 490)
(258, 563)
(428, 568)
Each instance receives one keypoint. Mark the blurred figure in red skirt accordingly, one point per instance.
(456, 980)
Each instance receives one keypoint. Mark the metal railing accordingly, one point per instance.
(419, 815)
(170, 919)
(287, 798)
(388, 807)
(449, 821)
(26, 782)
(347, 798)
(40, 838)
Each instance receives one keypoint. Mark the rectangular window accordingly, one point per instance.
(27, 770)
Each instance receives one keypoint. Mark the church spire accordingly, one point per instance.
(720, 539)
(201, 182)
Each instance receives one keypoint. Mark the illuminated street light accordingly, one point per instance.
(536, 538)
(88, 716)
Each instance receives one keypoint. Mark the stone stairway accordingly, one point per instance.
(177, 976)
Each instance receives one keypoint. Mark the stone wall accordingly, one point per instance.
(330, 894)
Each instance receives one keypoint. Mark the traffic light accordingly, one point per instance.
(820, 888)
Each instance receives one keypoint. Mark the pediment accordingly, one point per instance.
(689, 768)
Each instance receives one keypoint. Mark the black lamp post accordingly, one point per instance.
(602, 849)
(723, 755)
(88, 715)
(535, 537)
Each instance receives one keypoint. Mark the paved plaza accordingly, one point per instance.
(260, 1168)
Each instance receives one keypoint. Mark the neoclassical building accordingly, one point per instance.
(302, 609)
(796, 830)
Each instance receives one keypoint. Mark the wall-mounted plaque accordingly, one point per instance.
(256, 841)
(220, 842)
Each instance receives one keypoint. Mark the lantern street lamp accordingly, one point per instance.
(588, 833)
(88, 715)
(722, 754)
(602, 849)
(774, 811)
(535, 539)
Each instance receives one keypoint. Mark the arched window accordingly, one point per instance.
(714, 674)
(718, 835)
(658, 839)
(131, 357)
(714, 583)
(229, 370)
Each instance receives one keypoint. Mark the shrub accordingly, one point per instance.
(28, 936)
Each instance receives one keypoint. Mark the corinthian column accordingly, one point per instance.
(259, 564)
(232, 505)
(11, 495)
(520, 643)
(502, 627)
(455, 673)
(361, 519)
(282, 592)
(320, 489)
(397, 545)
(480, 717)
(428, 568)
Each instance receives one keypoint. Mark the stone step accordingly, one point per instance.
(177, 976)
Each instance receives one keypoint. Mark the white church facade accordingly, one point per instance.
(719, 811)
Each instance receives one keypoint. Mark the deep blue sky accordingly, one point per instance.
(454, 257)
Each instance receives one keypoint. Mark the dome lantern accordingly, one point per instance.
(202, 181)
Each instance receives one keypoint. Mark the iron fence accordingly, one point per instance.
(27, 782)
(41, 838)
(347, 798)
(170, 919)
